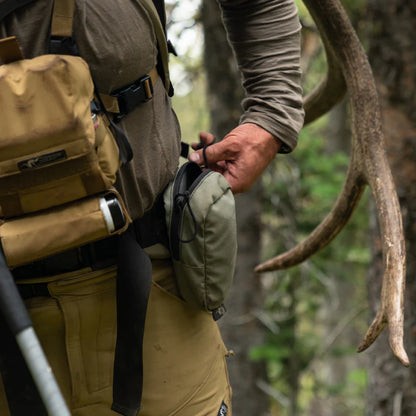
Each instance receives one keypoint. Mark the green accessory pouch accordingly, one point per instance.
(201, 223)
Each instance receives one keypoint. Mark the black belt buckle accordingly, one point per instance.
(129, 97)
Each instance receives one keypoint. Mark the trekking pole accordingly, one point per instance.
(17, 318)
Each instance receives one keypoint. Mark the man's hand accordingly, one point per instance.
(241, 156)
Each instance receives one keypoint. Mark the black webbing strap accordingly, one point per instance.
(184, 150)
(9, 6)
(133, 288)
(161, 11)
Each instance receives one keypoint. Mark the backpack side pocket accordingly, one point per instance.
(39, 235)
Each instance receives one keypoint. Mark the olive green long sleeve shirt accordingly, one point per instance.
(265, 35)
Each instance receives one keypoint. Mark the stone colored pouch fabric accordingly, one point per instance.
(201, 223)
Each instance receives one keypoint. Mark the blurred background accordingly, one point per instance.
(295, 332)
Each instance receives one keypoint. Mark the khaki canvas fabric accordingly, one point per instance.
(80, 344)
(50, 151)
(36, 236)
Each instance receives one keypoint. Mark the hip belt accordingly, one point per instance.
(148, 230)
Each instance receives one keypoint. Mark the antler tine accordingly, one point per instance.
(368, 165)
(391, 307)
(376, 171)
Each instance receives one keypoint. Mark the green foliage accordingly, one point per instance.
(300, 190)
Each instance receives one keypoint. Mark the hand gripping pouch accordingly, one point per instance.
(201, 223)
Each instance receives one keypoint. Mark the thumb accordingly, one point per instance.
(210, 154)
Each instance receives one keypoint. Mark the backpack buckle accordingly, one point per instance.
(63, 45)
(129, 97)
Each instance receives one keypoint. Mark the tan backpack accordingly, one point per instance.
(59, 150)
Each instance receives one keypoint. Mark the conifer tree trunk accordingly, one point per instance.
(239, 327)
(392, 388)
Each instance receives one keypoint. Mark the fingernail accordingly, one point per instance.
(194, 157)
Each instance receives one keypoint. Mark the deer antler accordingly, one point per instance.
(368, 166)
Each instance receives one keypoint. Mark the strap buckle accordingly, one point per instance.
(140, 91)
(63, 45)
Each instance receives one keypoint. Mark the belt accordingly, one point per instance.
(96, 255)
(149, 230)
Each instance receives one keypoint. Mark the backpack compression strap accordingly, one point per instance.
(62, 42)
(62, 18)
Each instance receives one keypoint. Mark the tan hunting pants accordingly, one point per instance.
(184, 357)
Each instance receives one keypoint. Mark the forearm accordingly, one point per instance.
(265, 35)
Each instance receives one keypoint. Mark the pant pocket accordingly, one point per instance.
(184, 359)
(88, 305)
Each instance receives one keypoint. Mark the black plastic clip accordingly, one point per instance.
(141, 91)
(63, 46)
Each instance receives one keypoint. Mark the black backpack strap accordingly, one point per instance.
(156, 18)
(9, 6)
(161, 11)
(134, 277)
(161, 61)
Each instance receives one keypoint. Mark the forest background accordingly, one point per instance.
(295, 332)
